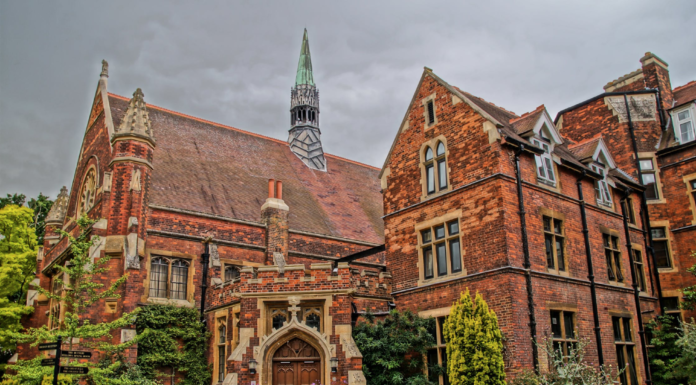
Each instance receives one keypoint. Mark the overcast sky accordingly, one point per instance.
(234, 62)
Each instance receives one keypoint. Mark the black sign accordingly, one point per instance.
(48, 346)
(75, 354)
(48, 362)
(73, 370)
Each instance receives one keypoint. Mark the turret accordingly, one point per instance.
(305, 136)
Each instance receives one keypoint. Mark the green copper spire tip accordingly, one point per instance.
(304, 67)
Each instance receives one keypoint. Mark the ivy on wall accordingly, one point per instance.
(173, 340)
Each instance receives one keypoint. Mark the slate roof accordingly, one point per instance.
(684, 94)
(215, 169)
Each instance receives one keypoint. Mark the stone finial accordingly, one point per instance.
(60, 207)
(136, 121)
(105, 69)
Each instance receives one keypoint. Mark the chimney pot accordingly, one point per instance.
(279, 190)
(271, 185)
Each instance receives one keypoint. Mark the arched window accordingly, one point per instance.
(435, 168)
(278, 318)
(312, 317)
(87, 192)
(169, 278)
(222, 334)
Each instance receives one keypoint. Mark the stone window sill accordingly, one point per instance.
(172, 302)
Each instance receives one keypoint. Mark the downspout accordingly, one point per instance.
(644, 214)
(204, 281)
(527, 264)
(590, 269)
(636, 292)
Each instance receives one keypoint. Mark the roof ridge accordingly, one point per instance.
(526, 114)
(485, 101)
(599, 137)
(689, 84)
(234, 129)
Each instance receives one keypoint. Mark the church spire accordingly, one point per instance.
(305, 137)
(304, 66)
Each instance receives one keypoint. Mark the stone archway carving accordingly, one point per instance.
(263, 354)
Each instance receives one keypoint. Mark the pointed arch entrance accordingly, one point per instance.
(296, 363)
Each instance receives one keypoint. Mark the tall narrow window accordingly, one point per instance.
(613, 257)
(431, 112)
(437, 355)
(563, 330)
(429, 171)
(158, 278)
(602, 187)
(435, 168)
(639, 269)
(544, 163)
(441, 250)
(684, 123)
(630, 212)
(661, 248)
(179, 279)
(625, 350)
(554, 242)
(647, 170)
(692, 185)
(441, 166)
(222, 351)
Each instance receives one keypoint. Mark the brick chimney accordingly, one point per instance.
(656, 73)
(274, 214)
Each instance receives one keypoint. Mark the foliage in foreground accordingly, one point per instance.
(474, 343)
(81, 289)
(393, 349)
(17, 263)
(568, 370)
(174, 338)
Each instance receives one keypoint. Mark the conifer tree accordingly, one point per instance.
(474, 343)
(80, 279)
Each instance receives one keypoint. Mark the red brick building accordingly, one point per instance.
(291, 244)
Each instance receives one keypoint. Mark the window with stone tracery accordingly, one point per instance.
(54, 319)
(311, 314)
(88, 192)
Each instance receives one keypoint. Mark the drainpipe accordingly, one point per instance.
(527, 264)
(636, 292)
(590, 269)
(204, 282)
(644, 214)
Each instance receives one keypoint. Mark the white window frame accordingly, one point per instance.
(544, 163)
(604, 196)
(678, 122)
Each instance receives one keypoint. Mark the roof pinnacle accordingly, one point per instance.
(304, 66)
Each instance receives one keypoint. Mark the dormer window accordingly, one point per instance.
(684, 125)
(544, 163)
(435, 166)
(602, 187)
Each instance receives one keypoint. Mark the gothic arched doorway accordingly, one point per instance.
(296, 363)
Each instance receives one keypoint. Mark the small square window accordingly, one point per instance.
(453, 227)
(439, 232)
(427, 236)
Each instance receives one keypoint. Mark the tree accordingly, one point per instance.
(17, 266)
(689, 293)
(664, 352)
(41, 206)
(393, 349)
(81, 289)
(684, 367)
(15, 199)
(474, 343)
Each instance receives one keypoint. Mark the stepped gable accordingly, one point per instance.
(215, 169)
(684, 94)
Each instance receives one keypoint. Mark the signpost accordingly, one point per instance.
(55, 362)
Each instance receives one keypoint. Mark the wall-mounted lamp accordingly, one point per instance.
(252, 366)
(334, 365)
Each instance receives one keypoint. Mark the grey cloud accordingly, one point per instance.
(234, 63)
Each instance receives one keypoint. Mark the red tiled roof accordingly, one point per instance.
(526, 122)
(685, 93)
(212, 168)
(585, 149)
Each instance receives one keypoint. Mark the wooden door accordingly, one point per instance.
(296, 363)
